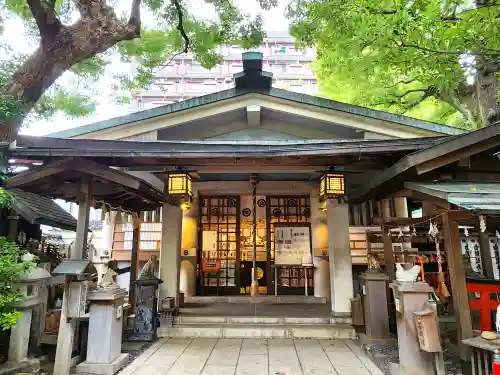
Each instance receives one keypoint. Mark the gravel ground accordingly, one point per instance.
(383, 355)
(134, 349)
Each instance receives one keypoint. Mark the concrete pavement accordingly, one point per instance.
(207, 356)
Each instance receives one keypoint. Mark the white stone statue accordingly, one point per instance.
(407, 275)
(107, 281)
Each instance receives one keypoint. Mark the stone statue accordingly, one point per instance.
(409, 275)
(373, 263)
(107, 280)
(150, 269)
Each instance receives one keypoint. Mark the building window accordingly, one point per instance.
(196, 68)
(277, 68)
(237, 67)
(196, 87)
(296, 69)
(278, 50)
(236, 50)
(168, 86)
(294, 51)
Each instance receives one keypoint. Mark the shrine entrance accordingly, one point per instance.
(225, 252)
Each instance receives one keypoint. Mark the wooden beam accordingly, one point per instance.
(451, 157)
(456, 271)
(30, 176)
(106, 173)
(484, 245)
(406, 221)
(74, 189)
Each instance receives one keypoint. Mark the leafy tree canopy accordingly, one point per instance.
(433, 59)
(80, 39)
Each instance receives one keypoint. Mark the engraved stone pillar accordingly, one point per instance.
(411, 297)
(104, 354)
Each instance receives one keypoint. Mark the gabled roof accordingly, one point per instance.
(254, 81)
(444, 152)
(221, 96)
(478, 197)
(41, 210)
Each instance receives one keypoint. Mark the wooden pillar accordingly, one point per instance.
(68, 327)
(13, 221)
(456, 269)
(388, 254)
(82, 228)
(484, 245)
(134, 262)
(386, 239)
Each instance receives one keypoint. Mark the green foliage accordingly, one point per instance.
(173, 30)
(12, 267)
(417, 58)
(10, 107)
(5, 197)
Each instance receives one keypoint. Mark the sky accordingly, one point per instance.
(274, 21)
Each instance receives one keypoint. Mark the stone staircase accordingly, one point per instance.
(259, 327)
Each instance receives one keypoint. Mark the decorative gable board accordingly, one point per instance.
(252, 134)
(200, 121)
(147, 136)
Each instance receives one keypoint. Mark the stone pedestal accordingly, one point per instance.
(104, 354)
(20, 337)
(409, 298)
(146, 319)
(375, 308)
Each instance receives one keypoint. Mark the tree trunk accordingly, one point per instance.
(92, 34)
(488, 89)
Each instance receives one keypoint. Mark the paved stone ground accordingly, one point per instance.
(203, 356)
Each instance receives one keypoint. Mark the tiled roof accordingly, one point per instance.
(41, 210)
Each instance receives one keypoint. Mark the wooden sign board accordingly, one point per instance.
(427, 331)
(292, 245)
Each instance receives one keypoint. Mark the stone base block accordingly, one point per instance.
(103, 368)
(28, 365)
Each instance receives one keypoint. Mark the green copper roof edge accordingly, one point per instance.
(147, 114)
(273, 92)
(366, 112)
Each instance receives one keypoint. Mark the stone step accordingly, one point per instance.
(275, 300)
(270, 331)
(276, 320)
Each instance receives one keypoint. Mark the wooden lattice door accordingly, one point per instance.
(293, 210)
(219, 219)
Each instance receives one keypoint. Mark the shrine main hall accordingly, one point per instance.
(266, 191)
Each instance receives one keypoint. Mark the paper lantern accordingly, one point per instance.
(179, 184)
(332, 185)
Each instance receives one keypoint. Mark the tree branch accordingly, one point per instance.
(45, 18)
(180, 24)
(492, 54)
(383, 12)
(409, 92)
(135, 16)
(401, 82)
(168, 62)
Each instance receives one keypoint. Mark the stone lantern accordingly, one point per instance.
(30, 286)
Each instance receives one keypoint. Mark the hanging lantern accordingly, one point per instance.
(332, 186)
(179, 184)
